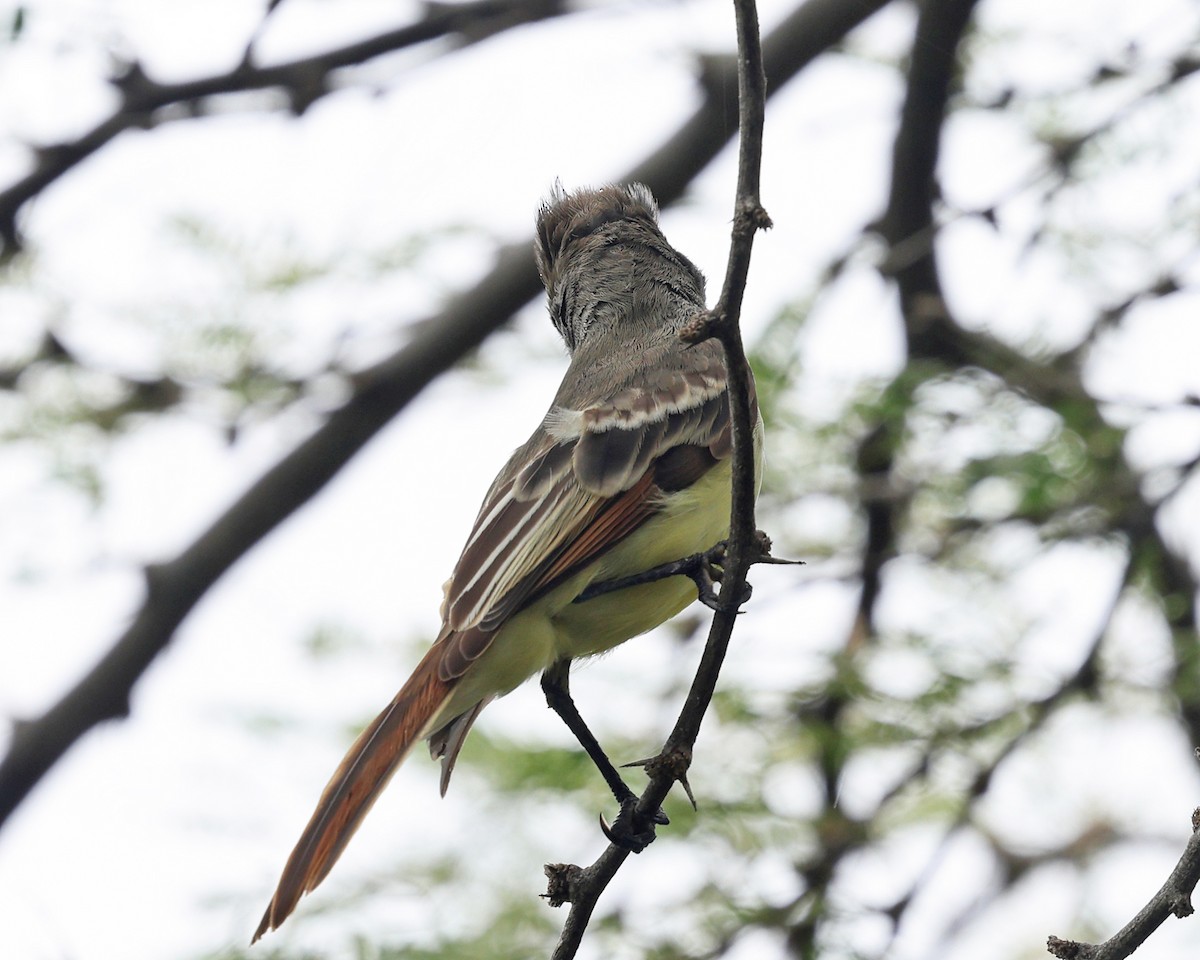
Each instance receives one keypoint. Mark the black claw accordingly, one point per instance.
(705, 570)
(630, 830)
(705, 577)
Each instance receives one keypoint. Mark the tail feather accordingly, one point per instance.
(355, 786)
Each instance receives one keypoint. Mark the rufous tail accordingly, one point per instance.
(355, 786)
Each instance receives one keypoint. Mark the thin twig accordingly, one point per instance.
(175, 587)
(583, 887)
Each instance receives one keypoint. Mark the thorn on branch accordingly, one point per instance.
(156, 580)
(1165, 286)
(19, 727)
(674, 763)
(122, 707)
(52, 349)
(687, 789)
(1184, 66)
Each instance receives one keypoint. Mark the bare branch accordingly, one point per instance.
(932, 330)
(915, 152)
(1174, 898)
(173, 588)
(305, 80)
(908, 226)
(807, 32)
(584, 886)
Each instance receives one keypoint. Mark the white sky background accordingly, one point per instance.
(123, 848)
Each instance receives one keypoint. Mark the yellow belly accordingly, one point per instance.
(554, 628)
(692, 520)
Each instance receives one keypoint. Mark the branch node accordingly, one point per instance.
(561, 879)
(306, 90)
(1070, 949)
(673, 763)
(752, 216)
(701, 327)
(132, 82)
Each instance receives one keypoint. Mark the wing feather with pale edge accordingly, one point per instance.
(587, 479)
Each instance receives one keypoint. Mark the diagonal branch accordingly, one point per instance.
(173, 588)
(304, 80)
(1174, 898)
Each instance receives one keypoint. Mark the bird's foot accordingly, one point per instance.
(633, 830)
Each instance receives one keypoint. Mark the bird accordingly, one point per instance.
(629, 470)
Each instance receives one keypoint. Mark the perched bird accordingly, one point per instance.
(629, 469)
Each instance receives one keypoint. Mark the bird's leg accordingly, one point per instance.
(629, 830)
(704, 569)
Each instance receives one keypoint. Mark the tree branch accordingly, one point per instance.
(305, 80)
(173, 588)
(1174, 898)
(583, 887)
(909, 228)
(909, 215)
